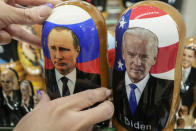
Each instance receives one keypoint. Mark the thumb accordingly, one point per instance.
(32, 15)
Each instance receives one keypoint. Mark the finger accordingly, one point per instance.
(5, 37)
(20, 34)
(36, 2)
(10, 2)
(33, 15)
(42, 98)
(84, 99)
(102, 112)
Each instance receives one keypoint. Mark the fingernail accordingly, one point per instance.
(44, 11)
(39, 92)
(108, 92)
(49, 5)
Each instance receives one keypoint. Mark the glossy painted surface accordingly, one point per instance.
(158, 100)
(74, 44)
(59, 46)
(87, 28)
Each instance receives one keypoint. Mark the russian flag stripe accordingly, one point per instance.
(90, 67)
(48, 63)
(77, 15)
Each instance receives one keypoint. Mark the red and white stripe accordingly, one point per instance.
(165, 28)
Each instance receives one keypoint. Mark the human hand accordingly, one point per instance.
(11, 16)
(67, 114)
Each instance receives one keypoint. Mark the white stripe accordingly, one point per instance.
(68, 14)
(164, 27)
(166, 75)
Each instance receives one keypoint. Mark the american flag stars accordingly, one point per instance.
(122, 22)
(120, 64)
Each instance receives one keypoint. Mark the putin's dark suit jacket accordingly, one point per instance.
(84, 81)
(187, 97)
(153, 108)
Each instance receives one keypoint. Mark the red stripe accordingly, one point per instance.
(111, 57)
(48, 63)
(89, 67)
(142, 12)
(166, 59)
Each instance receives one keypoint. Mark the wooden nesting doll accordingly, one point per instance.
(74, 40)
(29, 55)
(31, 59)
(10, 97)
(188, 82)
(191, 42)
(147, 67)
(100, 5)
(9, 58)
(111, 48)
(27, 94)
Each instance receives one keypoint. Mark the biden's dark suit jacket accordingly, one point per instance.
(84, 81)
(153, 108)
(187, 97)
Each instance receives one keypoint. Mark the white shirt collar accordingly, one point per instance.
(71, 82)
(71, 76)
(141, 84)
(187, 72)
(187, 69)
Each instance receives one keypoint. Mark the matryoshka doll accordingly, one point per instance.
(74, 40)
(147, 67)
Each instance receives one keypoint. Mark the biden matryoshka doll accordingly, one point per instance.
(147, 69)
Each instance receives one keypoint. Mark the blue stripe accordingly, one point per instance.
(87, 35)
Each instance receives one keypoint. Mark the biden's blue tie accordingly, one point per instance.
(132, 99)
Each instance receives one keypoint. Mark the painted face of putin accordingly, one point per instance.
(64, 49)
(139, 52)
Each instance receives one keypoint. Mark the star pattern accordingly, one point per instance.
(120, 64)
(122, 23)
(122, 26)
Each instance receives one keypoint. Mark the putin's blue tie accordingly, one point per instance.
(132, 99)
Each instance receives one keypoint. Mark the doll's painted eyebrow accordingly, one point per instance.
(59, 48)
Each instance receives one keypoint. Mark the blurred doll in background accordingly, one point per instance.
(10, 97)
(27, 101)
(188, 82)
(187, 110)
